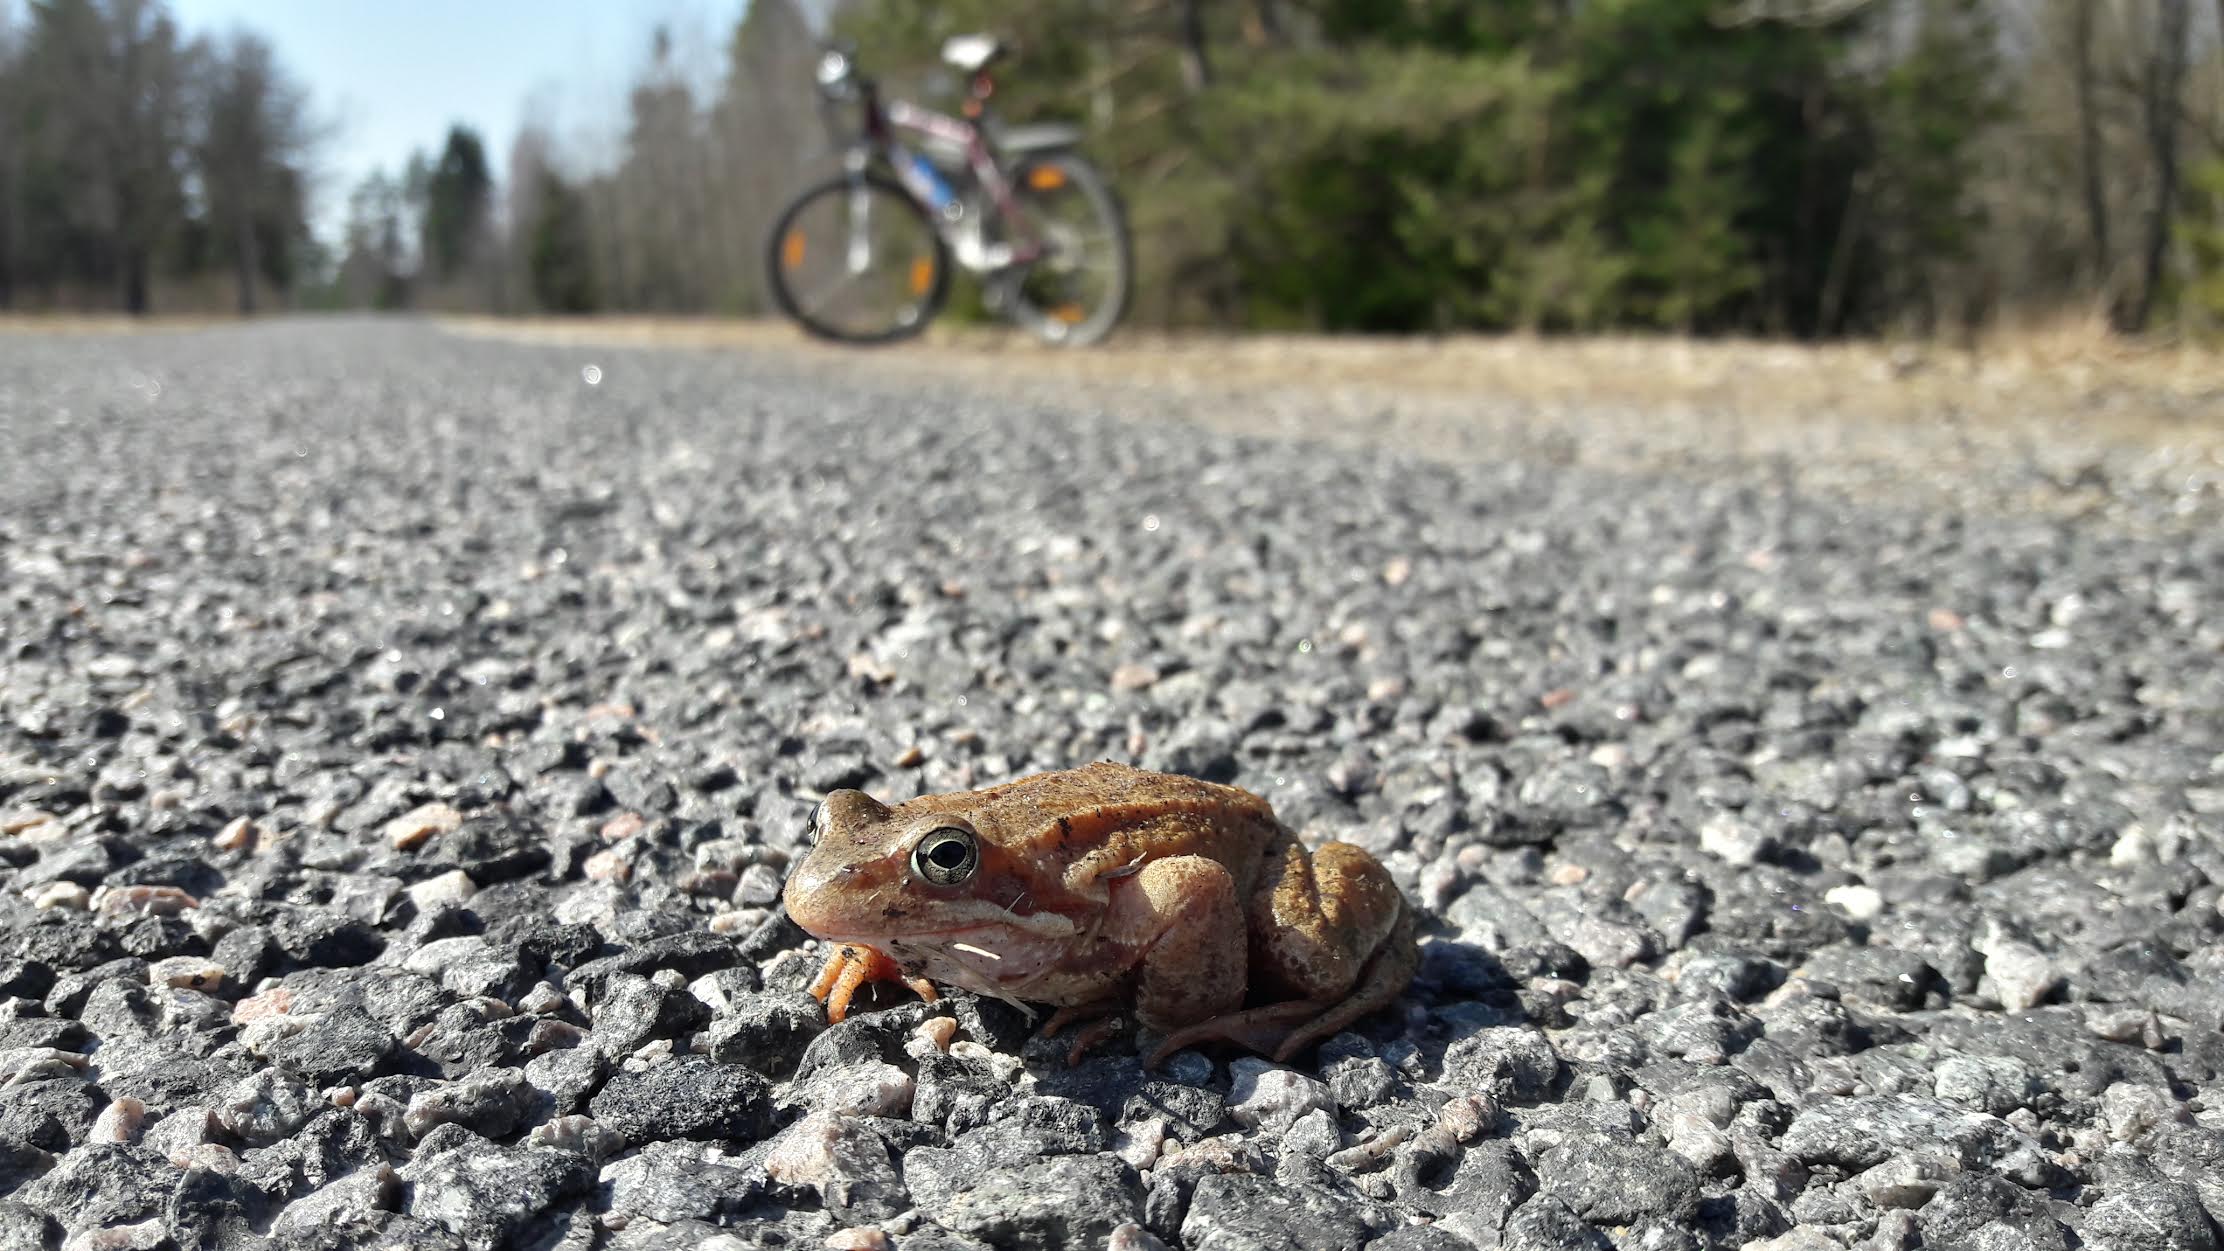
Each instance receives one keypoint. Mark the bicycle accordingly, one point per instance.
(1015, 205)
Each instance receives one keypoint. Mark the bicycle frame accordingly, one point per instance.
(882, 122)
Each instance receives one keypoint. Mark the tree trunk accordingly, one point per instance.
(135, 279)
(1196, 65)
(2088, 128)
(1265, 26)
(247, 261)
(2164, 84)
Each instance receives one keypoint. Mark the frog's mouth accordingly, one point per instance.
(987, 959)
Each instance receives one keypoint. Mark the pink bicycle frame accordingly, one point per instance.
(966, 136)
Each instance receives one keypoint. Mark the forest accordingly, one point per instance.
(1807, 169)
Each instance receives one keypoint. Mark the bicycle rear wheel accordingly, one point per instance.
(856, 260)
(1077, 291)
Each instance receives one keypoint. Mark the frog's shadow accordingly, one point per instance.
(1459, 987)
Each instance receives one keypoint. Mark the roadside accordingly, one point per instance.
(2063, 423)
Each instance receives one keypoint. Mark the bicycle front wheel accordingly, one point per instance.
(1077, 290)
(856, 260)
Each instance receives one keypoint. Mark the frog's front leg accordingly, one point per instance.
(849, 968)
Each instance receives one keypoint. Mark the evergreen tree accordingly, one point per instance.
(458, 194)
(561, 255)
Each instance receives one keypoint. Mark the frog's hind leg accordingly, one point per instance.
(1387, 973)
(1331, 932)
(1098, 1021)
(1316, 921)
(1253, 1029)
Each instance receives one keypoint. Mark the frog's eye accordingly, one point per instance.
(946, 856)
(815, 825)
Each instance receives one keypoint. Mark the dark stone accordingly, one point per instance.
(486, 1194)
(1968, 1208)
(24, 979)
(1546, 1224)
(1472, 1191)
(766, 1031)
(859, 1037)
(670, 1182)
(2151, 1216)
(1190, 1112)
(1066, 1202)
(323, 940)
(103, 1184)
(68, 995)
(686, 1097)
(1244, 1212)
(49, 1113)
(249, 954)
(1610, 1181)
(462, 1041)
(333, 1144)
(630, 1010)
(568, 1077)
(691, 953)
(343, 1046)
(1505, 1061)
(62, 939)
(548, 943)
(954, 1094)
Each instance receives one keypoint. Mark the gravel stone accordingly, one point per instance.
(1269, 1099)
(631, 1010)
(344, 1045)
(1609, 1181)
(1067, 1202)
(486, 1195)
(2149, 1217)
(492, 1104)
(686, 1097)
(847, 1165)
(766, 1031)
(1505, 1062)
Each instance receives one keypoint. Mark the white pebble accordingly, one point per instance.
(1732, 840)
(2133, 846)
(448, 889)
(60, 895)
(413, 828)
(1862, 903)
(186, 973)
(239, 835)
(1270, 1099)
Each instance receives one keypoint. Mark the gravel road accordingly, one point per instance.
(403, 736)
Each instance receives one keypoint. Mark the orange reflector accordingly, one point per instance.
(1071, 314)
(1046, 178)
(922, 275)
(791, 249)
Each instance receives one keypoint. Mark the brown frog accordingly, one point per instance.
(1104, 888)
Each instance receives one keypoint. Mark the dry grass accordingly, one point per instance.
(2063, 372)
(106, 323)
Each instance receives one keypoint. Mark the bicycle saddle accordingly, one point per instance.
(971, 52)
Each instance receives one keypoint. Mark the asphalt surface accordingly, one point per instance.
(403, 736)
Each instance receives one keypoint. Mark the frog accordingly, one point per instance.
(1101, 890)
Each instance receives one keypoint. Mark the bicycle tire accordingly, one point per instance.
(1105, 202)
(778, 257)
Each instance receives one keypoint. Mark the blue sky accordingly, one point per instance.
(390, 76)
